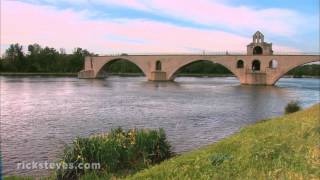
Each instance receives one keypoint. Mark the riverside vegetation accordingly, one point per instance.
(50, 61)
(119, 152)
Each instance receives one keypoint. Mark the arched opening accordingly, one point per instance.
(257, 50)
(256, 65)
(120, 67)
(273, 64)
(309, 69)
(201, 68)
(158, 66)
(240, 64)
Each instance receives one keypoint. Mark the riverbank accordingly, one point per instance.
(38, 74)
(286, 147)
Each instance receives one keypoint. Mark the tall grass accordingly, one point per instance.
(119, 152)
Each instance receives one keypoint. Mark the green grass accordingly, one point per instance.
(287, 147)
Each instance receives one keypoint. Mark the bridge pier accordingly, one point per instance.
(255, 78)
(158, 76)
(86, 74)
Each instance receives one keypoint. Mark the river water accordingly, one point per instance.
(40, 115)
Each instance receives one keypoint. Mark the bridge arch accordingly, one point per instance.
(256, 65)
(100, 70)
(273, 64)
(172, 74)
(240, 64)
(282, 73)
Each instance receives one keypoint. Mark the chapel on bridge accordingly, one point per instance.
(258, 46)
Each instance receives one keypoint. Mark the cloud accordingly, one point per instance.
(127, 3)
(26, 24)
(212, 13)
(273, 20)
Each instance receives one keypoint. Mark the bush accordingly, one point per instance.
(119, 151)
(292, 107)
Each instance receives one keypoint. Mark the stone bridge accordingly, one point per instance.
(258, 67)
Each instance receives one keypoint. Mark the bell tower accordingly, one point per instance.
(258, 46)
(258, 37)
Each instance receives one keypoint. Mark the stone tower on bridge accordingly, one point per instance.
(258, 46)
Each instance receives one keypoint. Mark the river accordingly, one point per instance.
(40, 115)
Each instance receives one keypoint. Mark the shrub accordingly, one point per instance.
(292, 107)
(118, 151)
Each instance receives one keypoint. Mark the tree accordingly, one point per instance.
(34, 49)
(14, 52)
(15, 57)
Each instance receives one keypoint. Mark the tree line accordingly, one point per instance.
(37, 59)
(306, 70)
(199, 67)
(42, 59)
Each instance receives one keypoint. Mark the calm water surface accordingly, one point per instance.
(39, 116)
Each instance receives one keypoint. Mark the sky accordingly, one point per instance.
(160, 26)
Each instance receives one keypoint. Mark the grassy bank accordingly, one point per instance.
(287, 147)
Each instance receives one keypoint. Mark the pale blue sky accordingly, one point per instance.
(290, 24)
